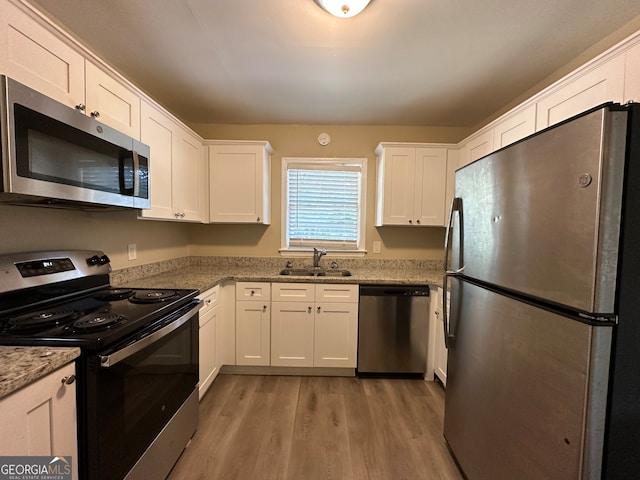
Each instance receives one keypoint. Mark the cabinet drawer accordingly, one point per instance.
(258, 291)
(336, 293)
(209, 299)
(293, 292)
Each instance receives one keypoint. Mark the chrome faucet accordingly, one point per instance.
(317, 255)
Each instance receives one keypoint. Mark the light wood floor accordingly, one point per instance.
(308, 428)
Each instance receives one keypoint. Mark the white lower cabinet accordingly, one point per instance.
(440, 357)
(40, 419)
(209, 365)
(314, 325)
(253, 323)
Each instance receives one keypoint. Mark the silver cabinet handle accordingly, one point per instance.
(81, 107)
(68, 380)
(456, 206)
(95, 114)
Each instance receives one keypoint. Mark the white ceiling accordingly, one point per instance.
(400, 62)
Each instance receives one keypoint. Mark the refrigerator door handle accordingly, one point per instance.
(456, 206)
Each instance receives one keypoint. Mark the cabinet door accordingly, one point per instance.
(32, 55)
(40, 419)
(632, 74)
(226, 326)
(602, 84)
(476, 147)
(336, 335)
(189, 177)
(515, 127)
(430, 186)
(292, 334)
(207, 354)
(239, 177)
(114, 103)
(252, 333)
(158, 131)
(397, 169)
(440, 367)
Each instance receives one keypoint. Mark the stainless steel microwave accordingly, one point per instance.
(53, 155)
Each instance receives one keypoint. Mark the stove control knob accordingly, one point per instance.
(103, 260)
(68, 380)
(94, 260)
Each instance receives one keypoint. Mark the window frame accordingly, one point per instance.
(290, 162)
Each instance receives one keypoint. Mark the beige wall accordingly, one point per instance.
(34, 228)
(301, 140)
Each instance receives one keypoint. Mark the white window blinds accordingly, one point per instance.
(324, 204)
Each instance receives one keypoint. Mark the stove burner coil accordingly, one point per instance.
(40, 320)
(152, 296)
(97, 321)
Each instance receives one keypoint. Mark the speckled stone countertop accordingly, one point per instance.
(203, 273)
(20, 366)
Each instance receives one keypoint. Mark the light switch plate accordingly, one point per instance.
(132, 250)
(377, 246)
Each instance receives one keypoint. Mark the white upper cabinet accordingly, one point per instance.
(632, 74)
(190, 177)
(601, 84)
(178, 169)
(36, 57)
(239, 182)
(45, 61)
(476, 146)
(411, 185)
(111, 102)
(514, 127)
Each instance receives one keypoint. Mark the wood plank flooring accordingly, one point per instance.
(308, 428)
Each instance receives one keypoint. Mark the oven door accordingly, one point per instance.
(136, 390)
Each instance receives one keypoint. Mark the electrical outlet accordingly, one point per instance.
(132, 249)
(377, 246)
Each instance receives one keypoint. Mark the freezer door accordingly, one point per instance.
(542, 217)
(526, 389)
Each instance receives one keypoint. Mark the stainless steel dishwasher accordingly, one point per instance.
(393, 329)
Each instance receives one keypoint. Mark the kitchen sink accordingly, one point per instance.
(298, 272)
(314, 272)
(334, 273)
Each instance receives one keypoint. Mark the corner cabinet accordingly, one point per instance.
(412, 184)
(177, 169)
(40, 418)
(239, 182)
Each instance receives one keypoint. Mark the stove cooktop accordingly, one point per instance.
(93, 321)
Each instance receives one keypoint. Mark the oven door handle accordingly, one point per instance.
(119, 355)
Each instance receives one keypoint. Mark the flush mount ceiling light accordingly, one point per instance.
(343, 8)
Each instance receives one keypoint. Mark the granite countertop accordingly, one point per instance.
(20, 366)
(205, 277)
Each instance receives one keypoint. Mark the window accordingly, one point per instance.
(323, 203)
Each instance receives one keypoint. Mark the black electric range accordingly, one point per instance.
(137, 373)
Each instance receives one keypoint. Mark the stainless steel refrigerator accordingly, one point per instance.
(543, 332)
